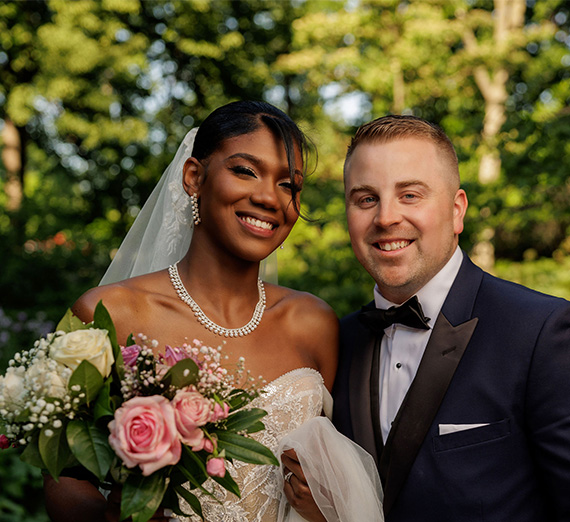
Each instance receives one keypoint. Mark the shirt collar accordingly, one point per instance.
(433, 294)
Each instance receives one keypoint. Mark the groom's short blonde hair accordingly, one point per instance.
(396, 127)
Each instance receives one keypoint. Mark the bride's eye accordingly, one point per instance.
(241, 170)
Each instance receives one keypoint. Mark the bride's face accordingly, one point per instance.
(245, 194)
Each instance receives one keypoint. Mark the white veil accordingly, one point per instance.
(161, 233)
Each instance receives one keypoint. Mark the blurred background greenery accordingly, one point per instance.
(95, 96)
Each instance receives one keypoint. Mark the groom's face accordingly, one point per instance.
(404, 212)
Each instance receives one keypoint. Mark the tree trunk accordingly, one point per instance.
(508, 17)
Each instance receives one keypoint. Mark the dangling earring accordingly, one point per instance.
(195, 209)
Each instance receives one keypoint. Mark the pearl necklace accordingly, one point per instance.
(205, 321)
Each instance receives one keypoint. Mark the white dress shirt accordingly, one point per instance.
(402, 347)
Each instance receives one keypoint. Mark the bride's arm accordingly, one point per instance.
(70, 500)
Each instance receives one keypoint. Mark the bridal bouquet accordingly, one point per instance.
(158, 426)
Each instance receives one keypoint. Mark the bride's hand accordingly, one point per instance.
(113, 510)
(297, 490)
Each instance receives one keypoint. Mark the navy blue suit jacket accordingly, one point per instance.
(499, 354)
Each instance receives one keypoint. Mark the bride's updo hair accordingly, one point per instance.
(244, 117)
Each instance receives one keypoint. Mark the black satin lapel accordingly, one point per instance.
(360, 395)
(375, 397)
(439, 362)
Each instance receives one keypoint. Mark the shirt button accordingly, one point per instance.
(398, 365)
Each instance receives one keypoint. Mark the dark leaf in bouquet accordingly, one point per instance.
(256, 427)
(90, 445)
(182, 374)
(141, 496)
(245, 449)
(228, 483)
(104, 406)
(243, 420)
(54, 450)
(31, 454)
(130, 340)
(71, 323)
(239, 398)
(193, 467)
(102, 319)
(88, 378)
(192, 501)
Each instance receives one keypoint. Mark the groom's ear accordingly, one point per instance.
(193, 174)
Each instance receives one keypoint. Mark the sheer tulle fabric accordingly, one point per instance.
(162, 231)
(342, 476)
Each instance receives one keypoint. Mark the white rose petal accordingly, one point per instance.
(92, 345)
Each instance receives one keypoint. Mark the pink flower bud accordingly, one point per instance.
(205, 444)
(130, 354)
(173, 355)
(220, 412)
(216, 467)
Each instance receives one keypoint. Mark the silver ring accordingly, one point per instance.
(288, 477)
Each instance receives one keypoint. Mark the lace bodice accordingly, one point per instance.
(290, 400)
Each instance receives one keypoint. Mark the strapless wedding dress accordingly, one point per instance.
(294, 403)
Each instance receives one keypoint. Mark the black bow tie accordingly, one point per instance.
(409, 314)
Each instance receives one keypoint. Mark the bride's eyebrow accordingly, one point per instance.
(246, 156)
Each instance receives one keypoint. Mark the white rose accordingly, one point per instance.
(13, 389)
(48, 378)
(91, 345)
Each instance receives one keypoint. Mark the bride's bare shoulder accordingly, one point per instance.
(312, 324)
(123, 298)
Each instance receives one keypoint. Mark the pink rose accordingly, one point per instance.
(220, 412)
(205, 444)
(191, 410)
(216, 467)
(4, 442)
(130, 354)
(144, 433)
(173, 355)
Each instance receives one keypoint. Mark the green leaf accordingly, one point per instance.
(191, 499)
(90, 446)
(227, 482)
(54, 450)
(141, 496)
(89, 378)
(182, 374)
(239, 398)
(70, 323)
(31, 454)
(102, 319)
(193, 467)
(255, 427)
(245, 449)
(103, 405)
(244, 419)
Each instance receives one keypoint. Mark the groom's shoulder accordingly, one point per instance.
(504, 292)
(350, 325)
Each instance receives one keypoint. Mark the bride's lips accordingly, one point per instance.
(259, 225)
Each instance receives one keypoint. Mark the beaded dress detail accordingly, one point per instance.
(290, 400)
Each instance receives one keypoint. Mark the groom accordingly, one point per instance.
(463, 397)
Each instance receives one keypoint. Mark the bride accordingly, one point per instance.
(227, 201)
